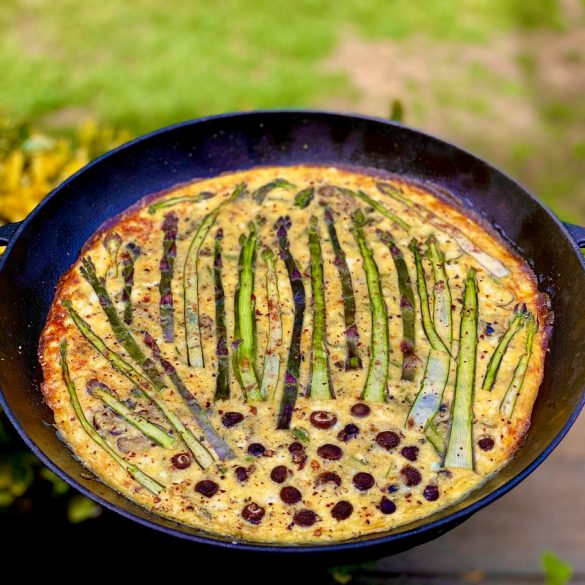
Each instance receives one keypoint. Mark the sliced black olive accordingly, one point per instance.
(360, 410)
(342, 510)
(349, 432)
(322, 419)
(329, 451)
(253, 513)
(388, 440)
(410, 475)
(256, 449)
(363, 481)
(206, 488)
(290, 495)
(328, 477)
(279, 474)
(305, 518)
(387, 506)
(410, 453)
(431, 493)
(181, 460)
(231, 419)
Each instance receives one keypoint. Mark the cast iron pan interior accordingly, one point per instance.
(50, 240)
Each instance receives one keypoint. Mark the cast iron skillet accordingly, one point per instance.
(42, 248)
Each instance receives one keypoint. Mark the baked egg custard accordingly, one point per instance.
(295, 354)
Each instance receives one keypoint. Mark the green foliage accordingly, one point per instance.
(300, 434)
(557, 572)
(81, 508)
(173, 60)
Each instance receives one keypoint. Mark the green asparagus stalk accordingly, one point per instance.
(432, 386)
(509, 402)
(321, 386)
(442, 300)
(203, 196)
(202, 456)
(293, 365)
(459, 451)
(436, 342)
(195, 356)
(304, 197)
(377, 378)
(129, 257)
(352, 338)
(516, 323)
(139, 476)
(167, 264)
(245, 320)
(407, 308)
(222, 382)
(222, 449)
(381, 209)
(272, 356)
(260, 194)
(112, 243)
(107, 396)
(436, 437)
(121, 332)
(428, 400)
(491, 264)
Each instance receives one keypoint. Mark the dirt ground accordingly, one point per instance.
(518, 101)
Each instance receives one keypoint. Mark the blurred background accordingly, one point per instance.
(503, 78)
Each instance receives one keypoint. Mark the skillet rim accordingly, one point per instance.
(368, 541)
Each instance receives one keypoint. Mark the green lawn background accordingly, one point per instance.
(143, 64)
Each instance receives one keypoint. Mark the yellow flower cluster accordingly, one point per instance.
(33, 163)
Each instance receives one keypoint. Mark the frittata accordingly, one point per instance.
(295, 354)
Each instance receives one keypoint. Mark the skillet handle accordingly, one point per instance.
(7, 231)
(577, 232)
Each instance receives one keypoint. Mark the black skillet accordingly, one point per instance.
(41, 249)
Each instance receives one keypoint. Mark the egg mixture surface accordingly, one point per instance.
(295, 354)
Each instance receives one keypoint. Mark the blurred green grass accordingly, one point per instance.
(144, 64)
(148, 63)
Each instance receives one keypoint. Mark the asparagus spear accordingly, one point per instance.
(245, 320)
(436, 374)
(291, 378)
(436, 437)
(129, 258)
(112, 243)
(167, 264)
(107, 396)
(222, 382)
(303, 198)
(460, 443)
(375, 386)
(195, 356)
(144, 480)
(511, 396)
(321, 386)
(436, 342)
(491, 264)
(121, 332)
(201, 454)
(260, 194)
(442, 300)
(352, 360)
(381, 209)
(203, 196)
(516, 323)
(272, 356)
(222, 449)
(407, 307)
